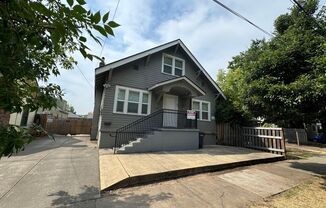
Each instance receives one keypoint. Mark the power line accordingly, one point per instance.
(242, 17)
(300, 7)
(88, 82)
(84, 76)
(115, 11)
(306, 13)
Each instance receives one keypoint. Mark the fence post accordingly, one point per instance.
(283, 139)
(297, 135)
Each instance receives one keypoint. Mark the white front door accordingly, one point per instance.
(170, 118)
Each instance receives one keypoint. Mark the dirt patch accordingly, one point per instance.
(312, 194)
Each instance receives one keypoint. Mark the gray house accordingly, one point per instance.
(159, 99)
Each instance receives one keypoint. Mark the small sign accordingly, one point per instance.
(191, 114)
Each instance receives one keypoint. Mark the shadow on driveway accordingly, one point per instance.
(129, 199)
(133, 200)
(316, 168)
(64, 199)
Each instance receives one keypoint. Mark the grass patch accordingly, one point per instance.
(297, 154)
(309, 194)
(315, 144)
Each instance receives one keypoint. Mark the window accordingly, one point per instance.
(173, 65)
(202, 108)
(131, 101)
(168, 65)
(196, 107)
(121, 100)
(144, 107)
(204, 111)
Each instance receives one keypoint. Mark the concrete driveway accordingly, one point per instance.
(65, 173)
(50, 173)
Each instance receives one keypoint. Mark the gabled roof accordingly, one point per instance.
(145, 53)
(176, 80)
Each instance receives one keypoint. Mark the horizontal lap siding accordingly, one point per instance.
(127, 76)
(145, 77)
(116, 120)
(201, 81)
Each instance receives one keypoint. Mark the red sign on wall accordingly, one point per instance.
(191, 114)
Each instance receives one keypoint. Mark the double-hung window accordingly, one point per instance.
(173, 65)
(131, 101)
(202, 108)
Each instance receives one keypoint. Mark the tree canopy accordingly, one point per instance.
(37, 39)
(283, 80)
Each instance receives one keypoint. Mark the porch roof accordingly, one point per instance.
(184, 80)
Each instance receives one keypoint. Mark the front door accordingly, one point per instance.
(170, 118)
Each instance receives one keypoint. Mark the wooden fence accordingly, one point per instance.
(298, 136)
(229, 134)
(265, 139)
(67, 126)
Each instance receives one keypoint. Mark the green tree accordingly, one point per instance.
(37, 39)
(283, 80)
(231, 110)
(72, 109)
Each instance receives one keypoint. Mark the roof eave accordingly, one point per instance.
(134, 57)
(137, 56)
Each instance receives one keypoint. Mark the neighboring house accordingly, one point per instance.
(89, 115)
(132, 95)
(61, 111)
(72, 115)
(25, 118)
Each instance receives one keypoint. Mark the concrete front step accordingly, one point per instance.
(163, 140)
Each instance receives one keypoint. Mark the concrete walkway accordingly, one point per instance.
(123, 170)
(50, 173)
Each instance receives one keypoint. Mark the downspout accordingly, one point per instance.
(105, 86)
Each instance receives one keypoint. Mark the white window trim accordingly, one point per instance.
(125, 104)
(200, 109)
(173, 65)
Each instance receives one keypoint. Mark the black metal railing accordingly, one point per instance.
(163, 118)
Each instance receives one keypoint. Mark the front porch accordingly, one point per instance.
(123, 170)
(176, 94)
(171, 126)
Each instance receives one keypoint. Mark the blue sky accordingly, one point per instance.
(212, 34)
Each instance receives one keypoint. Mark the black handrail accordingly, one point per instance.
(164, 118)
